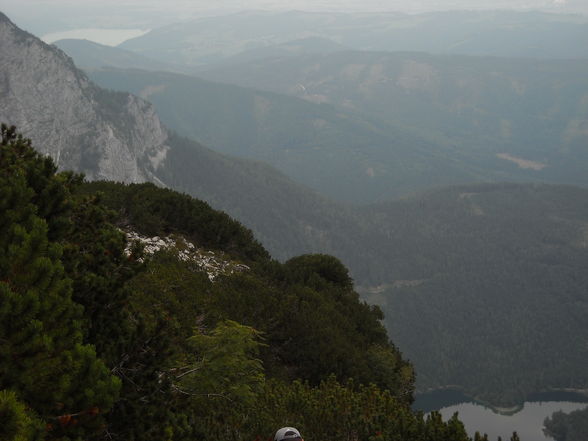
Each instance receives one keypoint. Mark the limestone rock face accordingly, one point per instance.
(106, 135)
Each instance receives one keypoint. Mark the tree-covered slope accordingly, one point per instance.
(156, 211)
(48, 370)
(88, 54)
(288, 218)
(481, 286)
(484, 287)
(107, 340)
(338, 153)
(567, 427)
(506, 247)
(515, 119)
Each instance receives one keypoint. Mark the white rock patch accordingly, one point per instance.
(211, 262)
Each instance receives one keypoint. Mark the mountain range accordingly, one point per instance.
(377, 125)
(210, 40)
(482, 285)
(489, 111)
(117, 136)
(337, 153)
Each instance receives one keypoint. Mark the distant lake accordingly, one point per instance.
(108, 37)
(528, 422)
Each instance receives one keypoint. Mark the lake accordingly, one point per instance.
(527, 422)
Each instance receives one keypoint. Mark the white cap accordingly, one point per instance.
(286, 433)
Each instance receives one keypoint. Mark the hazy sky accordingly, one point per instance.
(43, 16)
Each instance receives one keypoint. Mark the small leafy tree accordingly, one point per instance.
(224, 364)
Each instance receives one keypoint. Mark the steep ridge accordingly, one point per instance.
(102, 134)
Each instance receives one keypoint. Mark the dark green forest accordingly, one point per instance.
(482, 285)
(99, 343)
(568, 427)
(489, 288)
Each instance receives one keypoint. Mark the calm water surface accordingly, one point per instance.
(528, 423)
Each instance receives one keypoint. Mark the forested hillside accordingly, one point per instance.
(89, 54)
(496, 271)
(481, 285)
(486, 287)
(511, 119)
(373, 126)
(337, 153)
(568, 427)
(102, 342)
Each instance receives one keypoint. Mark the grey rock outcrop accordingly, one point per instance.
(104, 134)
(213, 263)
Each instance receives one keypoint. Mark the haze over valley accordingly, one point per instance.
(439, 152)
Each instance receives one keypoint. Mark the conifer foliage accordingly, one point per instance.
(95, 345)
(43, 361)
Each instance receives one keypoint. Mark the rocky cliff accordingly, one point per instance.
(106, 135)
(118, 137)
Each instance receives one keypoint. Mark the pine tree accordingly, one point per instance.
(18, 424)
(95, 260)
(42, 358)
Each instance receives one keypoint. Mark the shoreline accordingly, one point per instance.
(565, 394)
